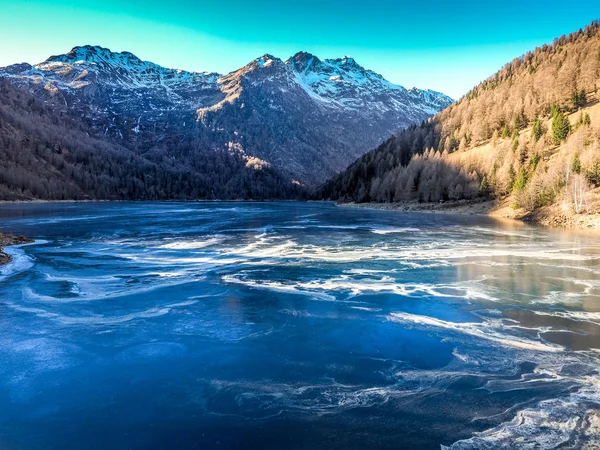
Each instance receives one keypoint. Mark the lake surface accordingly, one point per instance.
(294, 325)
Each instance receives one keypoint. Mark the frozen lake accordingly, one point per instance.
(294, 325)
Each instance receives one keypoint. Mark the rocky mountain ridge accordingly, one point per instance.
(305, 118)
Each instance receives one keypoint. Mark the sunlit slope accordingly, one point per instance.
(527, 135)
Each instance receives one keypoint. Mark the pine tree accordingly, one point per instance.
(516, 125)
(560, 128)
(452, 144)
(511, 175)
(515, 134)
(594, 173)
(515, 144)
(579, 99)
(576, 164)
(537, 129)
(521, 180)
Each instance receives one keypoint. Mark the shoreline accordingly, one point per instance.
(550, 217)
(6, 240)
(37, 201)
(460, 208)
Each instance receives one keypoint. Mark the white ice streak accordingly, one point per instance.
(266, 245)
(569, 422)
(581, 316)
(487, 330)
(98, 319)
(321, 288)
(318, 398)
(392, 230)
(21, 262)
(194, 244)
(497, 232)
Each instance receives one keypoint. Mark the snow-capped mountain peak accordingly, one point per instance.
(308, 116)
(346, 61)
(265, 60)
(98, 59)
(120, 82)
(90, 53)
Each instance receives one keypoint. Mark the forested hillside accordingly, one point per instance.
(49, 155)
(529, 133)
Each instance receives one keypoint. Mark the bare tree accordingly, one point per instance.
(579, 188)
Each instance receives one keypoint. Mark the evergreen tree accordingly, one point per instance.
(515, 134)
(594, 173)
(576, 164)
(451, 144)
(560, 128)
(537, 129)
(579, 99)
(534, 161)
(521, 180)
(512, 175)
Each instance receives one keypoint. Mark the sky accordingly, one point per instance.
(448, 46)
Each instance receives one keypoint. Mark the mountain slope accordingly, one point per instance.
(527, 135)
(304, 117)
(311, 117)
(51, 156)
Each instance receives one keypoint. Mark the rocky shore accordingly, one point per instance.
(7, 239)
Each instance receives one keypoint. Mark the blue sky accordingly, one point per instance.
(442, 45)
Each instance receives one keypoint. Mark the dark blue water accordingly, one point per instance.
(294, 325)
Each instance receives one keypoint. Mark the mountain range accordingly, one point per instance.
(302, 120)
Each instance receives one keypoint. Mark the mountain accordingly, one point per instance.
(305, 119)
(311, 117)
(52, 156)
(527, 136)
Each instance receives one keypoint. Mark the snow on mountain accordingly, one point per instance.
(121, 68)
(305, 116)
(121, 80)
(343, 83)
